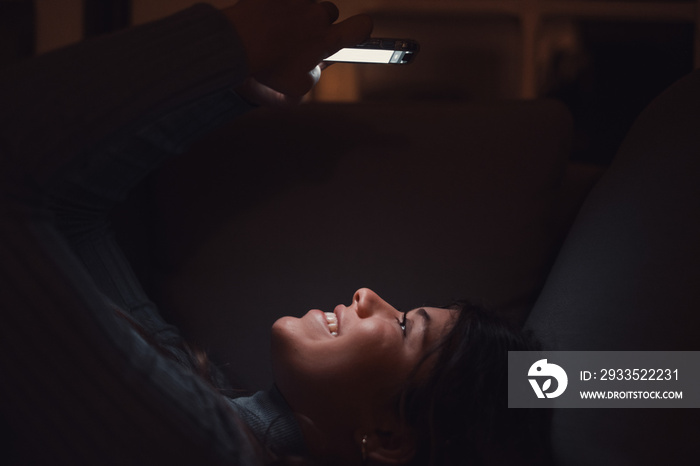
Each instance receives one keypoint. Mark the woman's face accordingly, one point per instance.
(338, 374)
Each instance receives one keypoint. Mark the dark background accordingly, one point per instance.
(616, 70)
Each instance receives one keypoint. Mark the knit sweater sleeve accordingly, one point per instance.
(63, 103)
(78, 385)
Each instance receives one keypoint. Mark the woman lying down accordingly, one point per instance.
(92, 374)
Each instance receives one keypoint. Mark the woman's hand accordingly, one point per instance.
(285, 40)
(259, 94)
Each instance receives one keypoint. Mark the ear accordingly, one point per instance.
(393, 446)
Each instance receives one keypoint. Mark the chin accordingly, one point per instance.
(288, 329)
(283, 335)
(290, 347)
(281, 324)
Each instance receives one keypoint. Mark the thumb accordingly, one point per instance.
(348, 33)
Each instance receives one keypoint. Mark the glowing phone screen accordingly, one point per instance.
(362, 56)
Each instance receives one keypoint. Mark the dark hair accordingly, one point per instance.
(459, 412)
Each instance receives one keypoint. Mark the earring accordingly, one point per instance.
(364, 449)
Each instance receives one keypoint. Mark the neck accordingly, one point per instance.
(329, 446)
(270, 419)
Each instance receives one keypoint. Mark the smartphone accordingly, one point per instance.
(384, 51)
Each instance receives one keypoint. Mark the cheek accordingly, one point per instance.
(366, 355)
(360, 368)
(372, 355)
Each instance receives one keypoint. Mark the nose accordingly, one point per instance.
(368, 304)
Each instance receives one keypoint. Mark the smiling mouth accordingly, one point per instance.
(332, 320)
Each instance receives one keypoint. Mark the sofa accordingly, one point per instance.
(424, 202)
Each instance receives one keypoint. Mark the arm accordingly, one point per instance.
(78, 127)
(60, 106)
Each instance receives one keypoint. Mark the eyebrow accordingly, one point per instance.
(426, 324)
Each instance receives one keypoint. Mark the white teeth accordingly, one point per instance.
(332, 320)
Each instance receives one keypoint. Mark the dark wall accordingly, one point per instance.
(620, 68)
(16, 31)
(103, 16)
(17, 25)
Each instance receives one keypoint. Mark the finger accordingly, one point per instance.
(315, 75)
(348, 33)
(296, 83)
(331, 10)
(305, 82)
